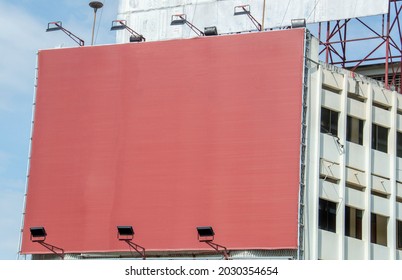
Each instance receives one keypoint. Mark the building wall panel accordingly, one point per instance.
(354, 198)
(356, 109)
(354, 248)
(328, 245)
(380, 205)
(380, 163)
(331, 100)
(355, 156)
(381, 117)
(379, 252)
(330, 149)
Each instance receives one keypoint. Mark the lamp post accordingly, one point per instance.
(263, 16)
(95, 5)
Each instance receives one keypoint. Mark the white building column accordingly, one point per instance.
(313, 164)
(342, 128)
(367, 135)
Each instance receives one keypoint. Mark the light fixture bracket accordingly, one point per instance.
(122, 24)
(57, 25)
(246, 10)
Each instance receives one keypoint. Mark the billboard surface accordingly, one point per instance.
(168, 136)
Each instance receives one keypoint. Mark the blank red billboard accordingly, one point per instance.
(168, 136)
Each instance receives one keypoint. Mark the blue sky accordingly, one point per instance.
(22, 33)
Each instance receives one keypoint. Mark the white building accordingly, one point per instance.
(354, 167)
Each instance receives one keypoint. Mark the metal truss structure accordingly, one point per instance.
(344, 43)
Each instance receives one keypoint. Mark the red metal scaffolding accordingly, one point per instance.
(352, 43)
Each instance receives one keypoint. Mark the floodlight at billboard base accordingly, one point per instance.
(38, 235)
(126, 234)
(206, 235)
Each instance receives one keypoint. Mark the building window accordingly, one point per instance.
(399, 144)
(399, 234)
(327, 215)
(353, 222)
(329, 121)
(380, 138)
(379, 229)
(354, 131)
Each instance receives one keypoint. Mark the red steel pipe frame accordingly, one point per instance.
(391, 35)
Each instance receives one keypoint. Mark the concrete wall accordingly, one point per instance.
(351, 174)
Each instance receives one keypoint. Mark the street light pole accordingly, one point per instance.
(95, 5)
(263, 16)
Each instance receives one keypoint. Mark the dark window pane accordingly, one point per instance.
(359, 222)
(374, 137)
(347, 221)
(353, 222)
(327, 215)
(354, 131)
(399, 144)
(325, 120)
(399, 234)
(379, 229)
(380, 138)
(329, 121)
(334, 123)
(373, 228)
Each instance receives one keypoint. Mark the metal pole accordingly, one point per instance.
(93, 27)
(327, 43)
(387, 48)
(95, 5)
(263, 16)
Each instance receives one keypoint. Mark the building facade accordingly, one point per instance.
(354, 189)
